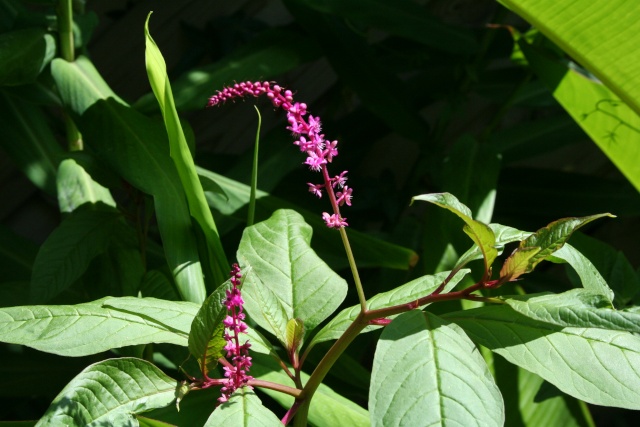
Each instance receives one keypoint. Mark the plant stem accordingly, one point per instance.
(65, 28)
(354, 270)
(324, 366)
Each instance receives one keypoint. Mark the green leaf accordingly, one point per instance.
(80, 84)
(591, 364)
(109, 393)
(288, 280)
(66, 254)
(540, 245)
(148, 422)
(294, 335)
(327, 408)
(614, 266)
(407, 293)
(76, 187)
(206, 341)
(90, 328)
(607, 115)
(371, 252)
(526, 406)
(28, 139)
(136, 148)
(156, 284)
(243, 409)
(23, 55)
(181, 156)
(480, 233)
(504, 234)
(426, 371)
(600, 35)
(588, 273)
(576, 308)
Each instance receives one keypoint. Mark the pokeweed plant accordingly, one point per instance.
(256, 331)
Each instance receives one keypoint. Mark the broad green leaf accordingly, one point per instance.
(29, 141)
(540, 245)
(287, 280)
(90, 328)
(206, 341)
(244, 409)
(426, 371)
(176, 316)
(407, 293)
(80, 84)
(156, 284)
(23, 55)
(67, 252)
(608, 116)
(136, 148)
(576, 308)
(76, 187)
(327, 408)
(401, 18)
(181, 156)
(589, 276)
(595, 365)
(612, 264)
(525, 404)
(371, 252)
(480, 233)
(109, 393)
(599, 34)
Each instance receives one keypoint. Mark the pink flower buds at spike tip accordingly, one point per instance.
(237, 354)
(319, 151)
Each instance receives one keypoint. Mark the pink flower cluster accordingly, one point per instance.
(310, 140)
(238, 354)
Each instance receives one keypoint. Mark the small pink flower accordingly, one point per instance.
(315, 189)
(344, 196)
(339, 180)
(314, 161)
(331, 151)
(334, 221)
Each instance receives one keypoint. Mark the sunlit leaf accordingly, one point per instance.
(426, 371)
(109, 393)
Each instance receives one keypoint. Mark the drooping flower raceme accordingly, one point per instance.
(310, 140)
(238, 354)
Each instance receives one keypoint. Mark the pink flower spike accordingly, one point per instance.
(316, 189)
(334, 221)
(236, 374)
